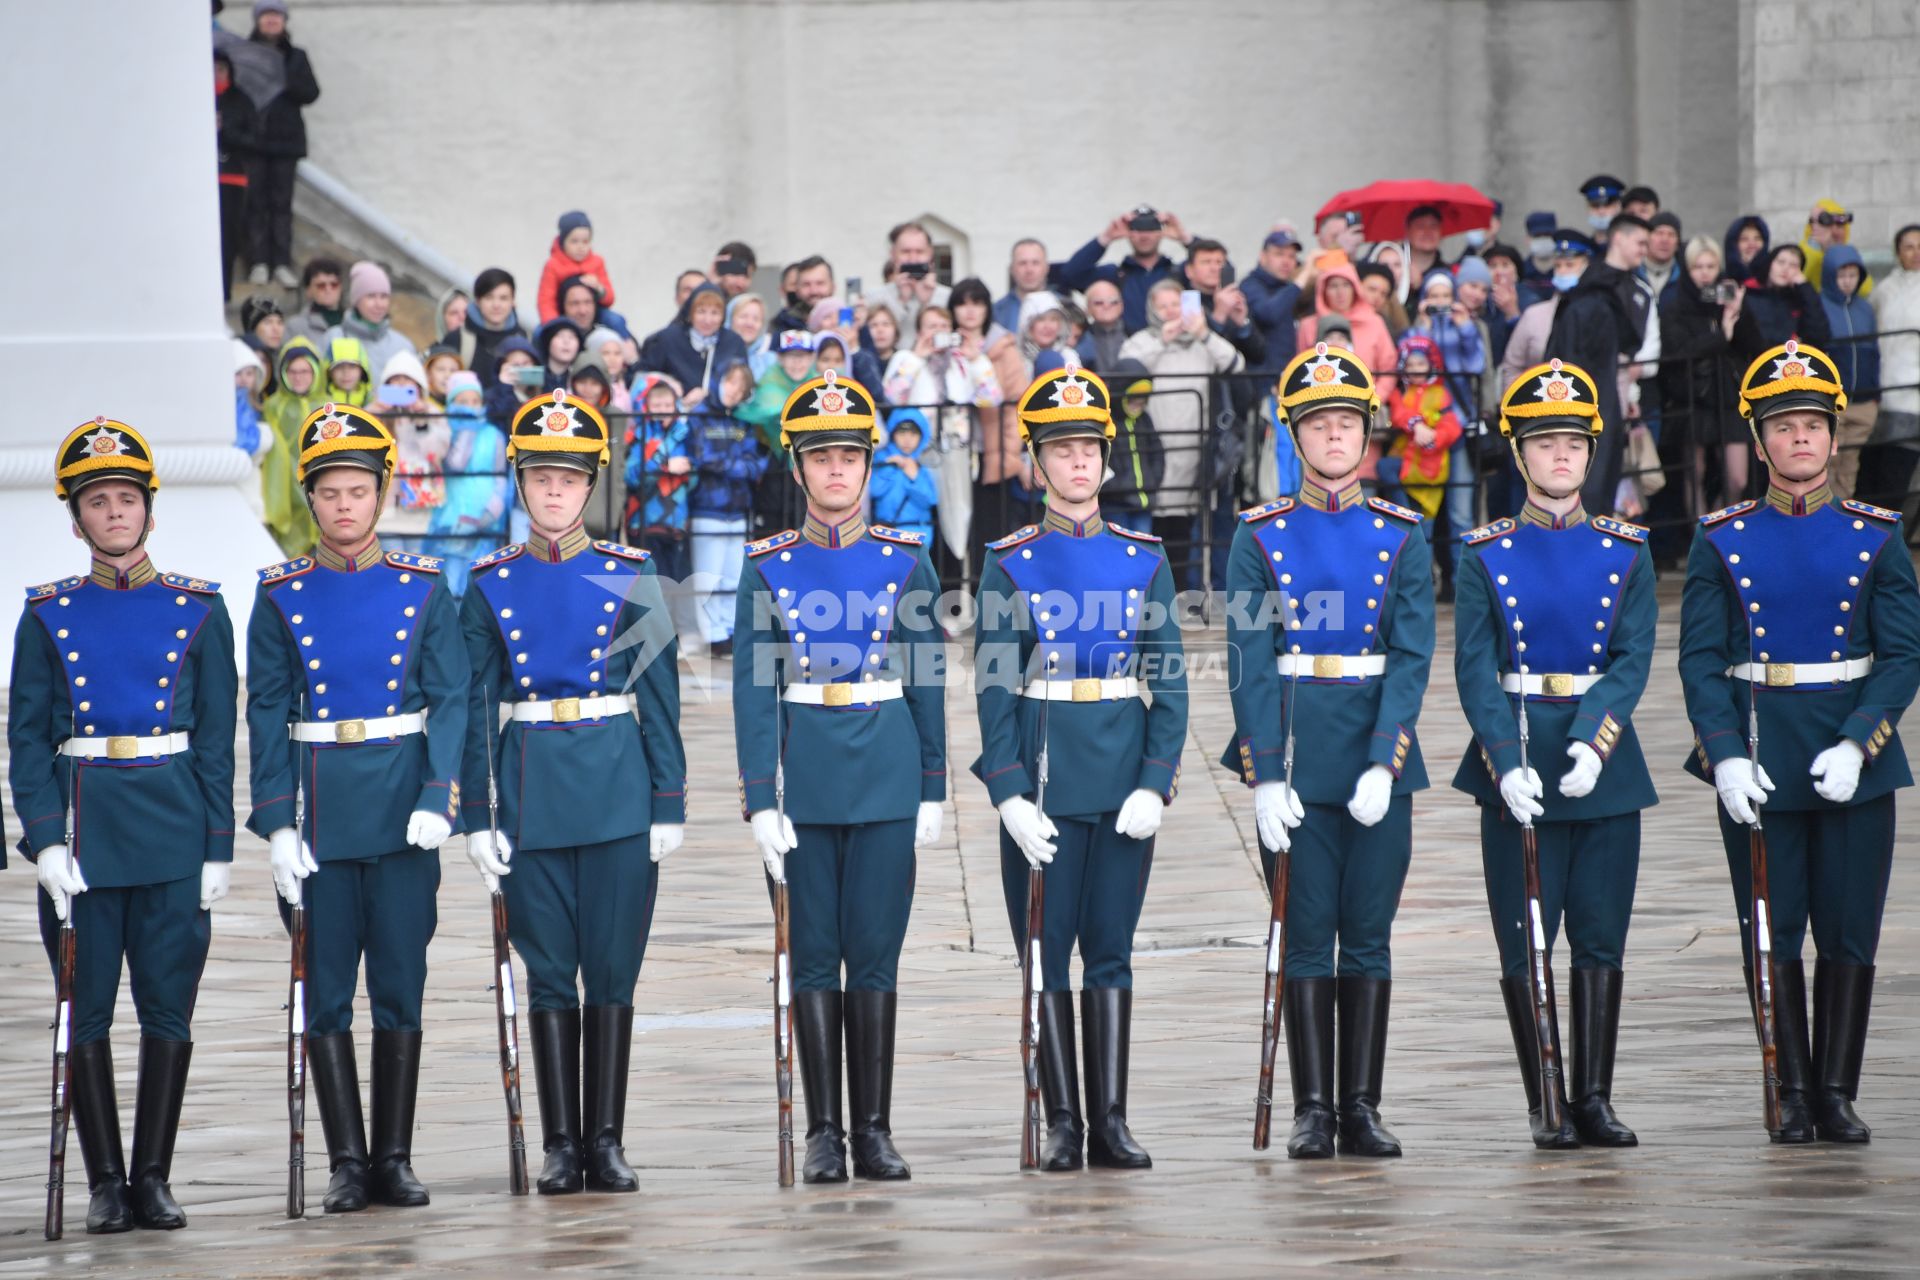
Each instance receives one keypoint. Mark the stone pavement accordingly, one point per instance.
(1704, 1195)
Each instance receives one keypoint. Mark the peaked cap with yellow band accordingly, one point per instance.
(1064, 403)
(829, 410)
(558, 430)
(1555, 398)
(103, 450)
(1791, 376)
(345, 435)
(1324, 377)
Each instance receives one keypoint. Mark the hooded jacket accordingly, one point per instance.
(898, 501)
(381, 342)
(1748, 271)
(347, 351)
(727, 458)
(1771, 314)
(1851, 339)
(683, 355)
(287, 515)
(1817, 256)
(505, 398)
(1371, 341)
(1138, 460)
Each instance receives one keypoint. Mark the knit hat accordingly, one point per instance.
(244, 357)
(599, 338)
(1473, 271)
(1332, 325)
(573, 220)
(269, 6)
(365, 278)
(255, 309)
(1665, 219)
(463, 380)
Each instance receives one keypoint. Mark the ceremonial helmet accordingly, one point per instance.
(558, 430)
(1790, 376)
(103, 449)
(1325, 377)
(1065, 403)
(1555, 398)
(337, 435)
(829, 410)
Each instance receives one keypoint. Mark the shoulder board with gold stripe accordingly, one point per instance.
(785, 538)
(408, 560)
(499, 555)
(286, 569)
(1135, 534)
(1739, 508)
(887, 533)
(1266, 509)
(1868, 509)
(1024, 534)
(181, 582)
(623, 551)
(1396, 510)
(1620, 528)
(1489, 531)
(46, 589)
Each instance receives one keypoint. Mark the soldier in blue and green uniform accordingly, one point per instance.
(572, 638)
(1558, 608)
(837, 647)
(357, 699)
(1805, 607)
(122, 703)
(1077, 612)
(1330, 602)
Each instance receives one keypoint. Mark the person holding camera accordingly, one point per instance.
(1144, 266)
(1697, 374)
(910, 282)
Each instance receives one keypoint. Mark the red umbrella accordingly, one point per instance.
(1383, 206)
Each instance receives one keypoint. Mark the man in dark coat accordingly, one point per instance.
(282, 142)
(1600, 319)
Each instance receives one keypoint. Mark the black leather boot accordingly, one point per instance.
(1307, 1023)
(1108, 1014)
(1596, 1036)
(816, 1033)
(609, 1050)
(1519, 1000)
(96, 1114)
(870, 1026)
(156, 1121)
(556, 1073)
(336, 1087)
(1363, 1065)
(1059, 1085)
(1790, 1041)
(1842, 998)
(396, 1080)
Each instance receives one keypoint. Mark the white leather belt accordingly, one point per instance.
(125, 746)
(1551, 684)
(567, 710)
(866, 693)
(1333, 666)
(1775, 675)
(1086, 689)
(349, 731)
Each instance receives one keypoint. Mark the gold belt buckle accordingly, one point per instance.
(1557, 685)
(565, 710)
(1779, 673)
(836, 695)
(1086, 689)
(1326, 666)
(350, 731)
(124, 747)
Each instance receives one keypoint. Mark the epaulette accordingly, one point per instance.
(408, 560)
(181, 582)
(286, 569)
(1266, 509)
(1620, 528)
(886, 533)
(622, 550)
(46, 589)
(1488, 531)
(1395, 509)
(784, 538)
(499, 555)
(1868, 509)
(1135, 534)
(1026, 533)
(1739, 508)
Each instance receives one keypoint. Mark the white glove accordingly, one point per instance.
(1740, 791)
(1579, 780)
(291, 861)
(664, 837)
(214, 879)
(1140, 815)
(1276, 811)
(774, 835)
(427, 830)
(1371, 795)
(1029, 828)
(1521, 789)
(1838, 768)
(491, 854)
(926, 824)
(60, 877)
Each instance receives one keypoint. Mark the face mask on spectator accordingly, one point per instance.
(1598, 221)
(1476, 237)
(1540, 246)
(1565, 280)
